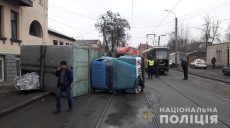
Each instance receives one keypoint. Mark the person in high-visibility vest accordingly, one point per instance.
(150, 68)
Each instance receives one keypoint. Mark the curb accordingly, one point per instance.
(211, 78)
(21, 105)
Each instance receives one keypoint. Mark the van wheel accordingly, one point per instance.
(138, 88)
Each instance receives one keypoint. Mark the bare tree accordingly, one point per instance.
(215, 31)
(113, 28)
(185, 37)
(183, 40)
(210, 30)
(171, 42)
(227, 34)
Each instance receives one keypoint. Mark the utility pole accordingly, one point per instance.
(228, 55)
(228, 52)
(159, 39)
(176, 43)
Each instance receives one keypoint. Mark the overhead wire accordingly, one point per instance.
(209, 10)
(167, 15)
(205, 7)
(190, 13)
(54, 6)
(75, 29)
(72, 11)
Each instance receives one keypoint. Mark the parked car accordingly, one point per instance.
(198, 63)
(226, 70)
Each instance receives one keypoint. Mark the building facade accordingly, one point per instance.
(56, 38)
(92, 43)
(220, 52)
(22, 22)
(196, 55)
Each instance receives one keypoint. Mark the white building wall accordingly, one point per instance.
(219, 51)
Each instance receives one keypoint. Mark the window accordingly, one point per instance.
(162, 54)
(14, 25)
(1, 18)
(55, 42)
(61, 43)
(36, 29)
(67, 43)
(219, 55)
(1, 69)
(18, 66)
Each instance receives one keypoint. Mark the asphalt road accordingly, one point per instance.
(171, 91)
(119, 110)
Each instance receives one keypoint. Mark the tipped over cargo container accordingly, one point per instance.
(122, 74)
(45, 59)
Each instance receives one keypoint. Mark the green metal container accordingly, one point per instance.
(49, 57)
(80, 84)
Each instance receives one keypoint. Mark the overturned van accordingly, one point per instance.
(117, 74)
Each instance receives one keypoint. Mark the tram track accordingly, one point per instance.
(191, 100)
(211, 93)
(104, 111)
(154, 118)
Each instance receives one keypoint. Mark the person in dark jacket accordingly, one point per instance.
(65, 79)
(184, 66)
(156, 68)
(213, 61)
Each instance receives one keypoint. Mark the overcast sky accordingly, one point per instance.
(77, 18)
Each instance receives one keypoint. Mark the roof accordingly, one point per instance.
(149, 49)
(58, 34)
(144, 45)
(193, 52)
(127, 50)
(28, 3)
(197, 46)
(219, 44)
(88, 41)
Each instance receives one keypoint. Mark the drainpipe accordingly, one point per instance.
(228, 55)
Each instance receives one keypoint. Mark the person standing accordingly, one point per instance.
(213, 61)
(65, 79)
(146, 64)
(156, 68)
(150, 68)
(184, 66)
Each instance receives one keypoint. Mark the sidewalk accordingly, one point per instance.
(12, 100)
(215, 74)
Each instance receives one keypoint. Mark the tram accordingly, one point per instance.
(161, 55)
